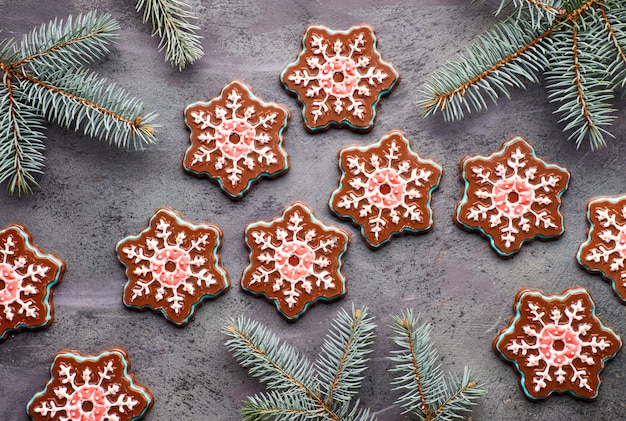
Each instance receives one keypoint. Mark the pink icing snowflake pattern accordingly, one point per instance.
(91, 388)
(236, 139)
(295, 260)
(511, 196)
(385, 188)
(339, 77)
(172, 266)
(27, 276)
(557, 343)
(604, 251)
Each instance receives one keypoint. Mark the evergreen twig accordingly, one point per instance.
(170, 21)
(580, 45)
(44, 78)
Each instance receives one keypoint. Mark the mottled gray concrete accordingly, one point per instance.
(93, 194)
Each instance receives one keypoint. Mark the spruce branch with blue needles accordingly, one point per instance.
(578, 45)
(170, 21)
(44, 78)
(426, 392)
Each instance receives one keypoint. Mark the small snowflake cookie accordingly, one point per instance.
(512, 196)
(605, 249)
(27, 278)
(236, 139)
(385, 188)
(557, 343)
(339, 78)
(295, 261)
(172, 266)
(91, 388)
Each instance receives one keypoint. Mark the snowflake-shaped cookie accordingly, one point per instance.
(605, 249)
(236, 139)
(339, 78)
(91, 388)
(295, 260)
(385, 188)
(172, 266)
(512, 197)
(557, 343)
(27, 276)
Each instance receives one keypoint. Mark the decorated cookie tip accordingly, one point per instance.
(557, 343)
(27, 278)
(605, 248)
(172, 266)
(236, 139)
(512, 196)
(339, 78)
(385, 189)
(91, 387)
(295, 261)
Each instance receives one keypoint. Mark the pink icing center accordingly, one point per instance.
(338, 77)
(234, 138)
(513, 197)
(559, 344)
(87, 404)
(294, 259)
(9, 284)
(385, 188)
(170, 266)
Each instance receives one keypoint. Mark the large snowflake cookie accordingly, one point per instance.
(91, 388)
(236, 139)
(512, 196)
(605, 249)
(295, 260)
(385, 188)
(557, 343)
(172, 266)
(27, 278)
(339, 78)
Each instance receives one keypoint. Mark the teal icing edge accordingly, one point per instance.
(342, 123)
(490, 237)
(217, 265)
(280, 146)
(60, 265)
(326, 228)
(429, 193)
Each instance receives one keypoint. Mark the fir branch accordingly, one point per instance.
(427, 394)
(615, 24)
(539, 12)
(170, 21)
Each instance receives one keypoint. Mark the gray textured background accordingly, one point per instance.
(92, 195)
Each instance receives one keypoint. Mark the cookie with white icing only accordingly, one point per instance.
(27, 278)
(386, 189)
(604, 250)
(557, 343)
(172, 266)
(236, 139)
(91, 387)
(512, 197)
(295, 260)
(339, 78)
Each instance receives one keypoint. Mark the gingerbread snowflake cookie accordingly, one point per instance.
(295, 260)
(236, 139)
(172, 266)
(385, 188)
(605, 249)
(512, 196)
(557, 343)
(339, 78)
(27, 278)
(91, 388)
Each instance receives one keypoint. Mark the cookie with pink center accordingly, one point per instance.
(557, 343)
(295, 260)
(172, 266)
(98, 387)
(339, 78)
(385, 188)
(512, 196)
(604, 251)
(236, 139)
(27, 278)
